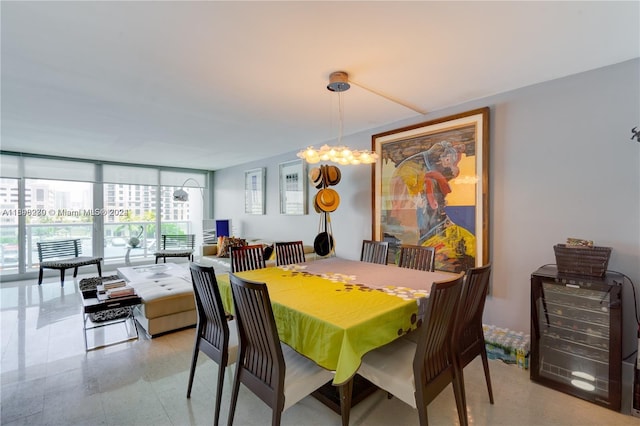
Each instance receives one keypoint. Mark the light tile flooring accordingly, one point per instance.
(49, 379)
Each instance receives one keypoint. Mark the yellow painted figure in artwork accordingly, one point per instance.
(420, 187)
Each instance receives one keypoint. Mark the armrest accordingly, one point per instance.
(209, 249)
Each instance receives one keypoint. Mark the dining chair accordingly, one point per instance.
(289, 252)
(273, 371)
(215, 336)
(247, 258)
(374, 251)
(416, 372)
(417, 257)
(469, 336)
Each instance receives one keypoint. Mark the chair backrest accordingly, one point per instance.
(472, 300)
(260, 365)
(417, 257)
(247, 258)
(59, 249)
(433, 363)
(374, 251)
(178, 241)
(212, 320)
(289, 252)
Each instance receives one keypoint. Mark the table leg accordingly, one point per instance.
(126, 320)
(84, 326)
(346, 390)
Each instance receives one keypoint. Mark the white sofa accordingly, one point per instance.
(209, 255)
(167, 293)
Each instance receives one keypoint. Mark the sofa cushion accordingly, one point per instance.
(164, 296)
(268, 251)
(227, 242)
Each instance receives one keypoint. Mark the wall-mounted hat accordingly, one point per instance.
(315, 175)
(315, 205)
(333, 175)
(323, 243)
(327, 200)
(323, 171)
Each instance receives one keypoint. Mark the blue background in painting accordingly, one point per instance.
(464, 216)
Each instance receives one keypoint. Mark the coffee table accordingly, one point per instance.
(93, 302)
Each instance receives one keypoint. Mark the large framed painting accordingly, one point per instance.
(431, 188)
(254, 187)
(293, 187)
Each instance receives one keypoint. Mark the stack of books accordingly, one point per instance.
(121, 291)
(115, 288)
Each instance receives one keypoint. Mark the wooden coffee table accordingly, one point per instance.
(94, 303)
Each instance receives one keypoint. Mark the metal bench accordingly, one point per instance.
(63, 255)
(176, 246)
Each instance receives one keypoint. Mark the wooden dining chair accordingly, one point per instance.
(374, 251)
(247, 258)
(289, 252)
(417, 257)
(469, 336)
(215, 336)
(273, 371)
(416, 372)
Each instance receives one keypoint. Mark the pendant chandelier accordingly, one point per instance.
(341, 154)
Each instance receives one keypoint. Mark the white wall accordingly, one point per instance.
(562, 165)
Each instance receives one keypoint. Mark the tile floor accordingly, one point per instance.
(48, 379)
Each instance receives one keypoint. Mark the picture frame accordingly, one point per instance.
(293, 187)
(431, 187)
(254, 191)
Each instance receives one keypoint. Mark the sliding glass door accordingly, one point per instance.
(9, 247)
(117, 211)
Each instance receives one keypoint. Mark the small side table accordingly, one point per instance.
(94, 303)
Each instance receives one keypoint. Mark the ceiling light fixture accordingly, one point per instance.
(338, 83)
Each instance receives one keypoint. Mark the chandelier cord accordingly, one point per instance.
(340, 118)
(338, 83)
(390, 98)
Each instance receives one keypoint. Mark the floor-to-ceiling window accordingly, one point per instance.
(131, 194)
(9, 248)
(182, 216)
(117, 211)
(59, 210)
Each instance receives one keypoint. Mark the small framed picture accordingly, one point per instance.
(293, 188)
(254, 194)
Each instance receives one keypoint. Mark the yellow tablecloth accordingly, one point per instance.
(332, 323)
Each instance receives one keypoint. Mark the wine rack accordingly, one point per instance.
(576, 334)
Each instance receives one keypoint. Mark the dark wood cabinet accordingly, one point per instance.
(576, 332)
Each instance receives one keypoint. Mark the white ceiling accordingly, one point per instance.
(215, 84)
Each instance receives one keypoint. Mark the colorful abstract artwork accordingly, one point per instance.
(431, 189)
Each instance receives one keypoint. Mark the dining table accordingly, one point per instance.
(335, 310)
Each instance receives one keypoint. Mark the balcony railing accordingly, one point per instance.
(116, 241)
